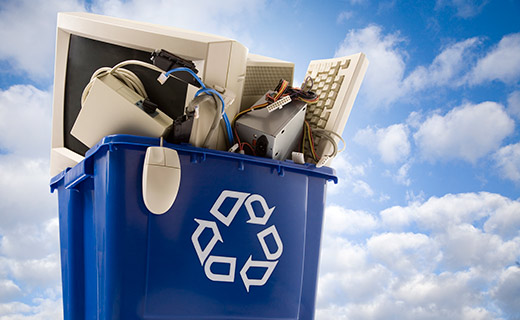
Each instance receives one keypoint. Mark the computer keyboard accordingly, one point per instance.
(336, 82)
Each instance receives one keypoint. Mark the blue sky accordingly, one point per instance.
(425, 221)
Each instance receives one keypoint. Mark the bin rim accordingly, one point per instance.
(111, 141)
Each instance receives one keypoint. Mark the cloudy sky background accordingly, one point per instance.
(425, 221)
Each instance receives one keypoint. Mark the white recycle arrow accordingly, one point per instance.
(230, 277)
(203, 224)
(267, 211)
(261, 237)
(270, 265)
(215, 210)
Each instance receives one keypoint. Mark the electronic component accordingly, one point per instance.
(85, 42)
(111, 107)
(272, 134)
(168, 61)
(181, 129)
(336, 82)
(279, 104)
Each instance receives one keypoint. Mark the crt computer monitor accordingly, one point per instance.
(86, 42)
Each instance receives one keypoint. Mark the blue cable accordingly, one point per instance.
(189, 71)
(208, 91)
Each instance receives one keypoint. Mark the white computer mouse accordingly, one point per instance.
(161, 178)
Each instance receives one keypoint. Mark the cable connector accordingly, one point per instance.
(162, 78)
(298, 157)
(233, 148)
(149, 107)
(323, 161)
(279, 104)
(166, 61)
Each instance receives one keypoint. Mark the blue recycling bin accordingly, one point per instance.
(241, 240)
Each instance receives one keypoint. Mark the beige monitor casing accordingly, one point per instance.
(221, 63)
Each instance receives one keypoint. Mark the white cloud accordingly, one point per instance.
(446, 69)
(391, 142)
(28, 32)
(42, 273)
(362, 188)
(344, 16)
(402, 174)
(446, 295)
(468, 132)
(346, 274)
(225, 18)
(506, 291)
(344, 166)
(466, 246)
(501, 63)
(513, 104)
(13, 307)
(349, 176)
(25, 130)
(9, 290)
(25, 121)
(40, 309)
(21, 180)
(464, 8)
(29, 247)
(441, 214)
(383, 81)
(31, 241)
(456, 65)
(405, 253)
(414, 119)
(505, 221)
(455, 264)
(29, 254)
(354, 286)
(508, 162)
(339, 220)
(411, 197)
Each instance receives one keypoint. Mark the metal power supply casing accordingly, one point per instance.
(282, 128)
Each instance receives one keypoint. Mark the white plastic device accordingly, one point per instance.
(161, 179)
(113, 108)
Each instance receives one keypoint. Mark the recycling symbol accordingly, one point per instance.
(207, 259)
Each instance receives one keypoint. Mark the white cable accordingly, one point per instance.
(332, 133)
(139, 63)
(124, 75)
(208, 97)
(331, 140)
